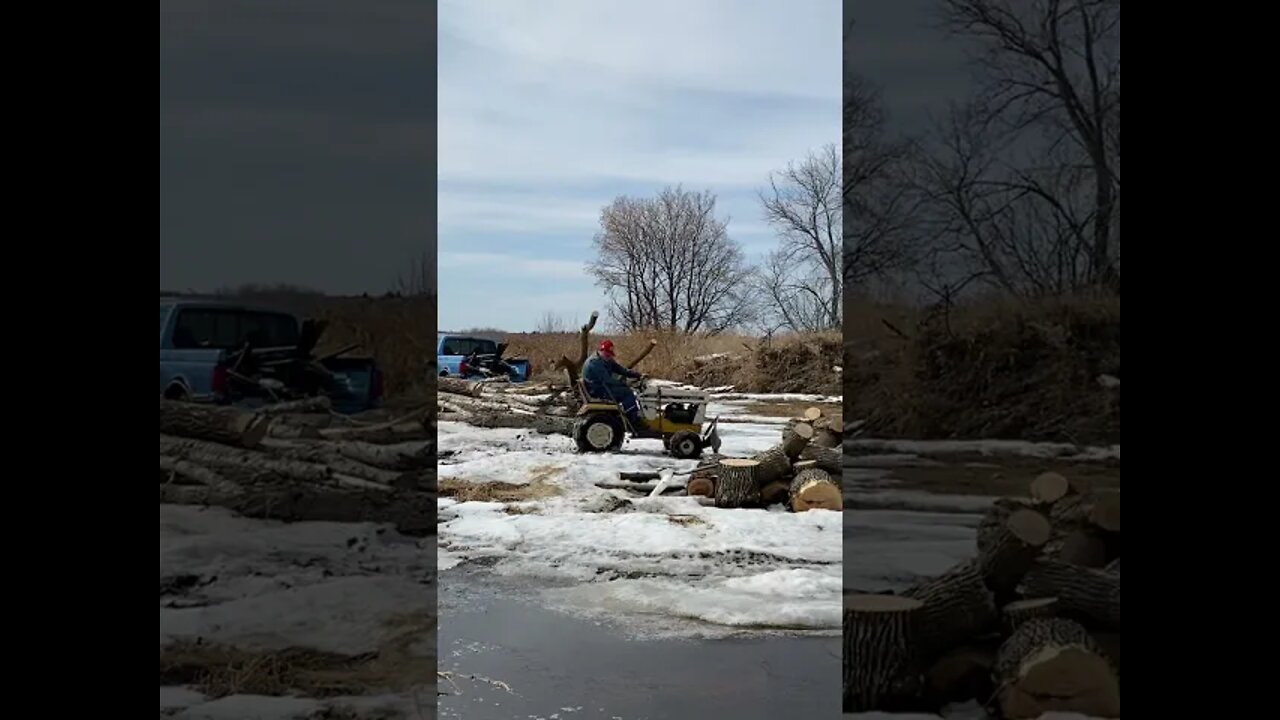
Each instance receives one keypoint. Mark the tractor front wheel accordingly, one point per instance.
(685, 445)
(598, 432)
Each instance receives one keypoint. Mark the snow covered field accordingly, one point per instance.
(657, 566)
(348, 609)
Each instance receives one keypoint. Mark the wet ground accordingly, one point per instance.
(562, 667)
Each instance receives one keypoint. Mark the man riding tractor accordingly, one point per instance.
(610, 409)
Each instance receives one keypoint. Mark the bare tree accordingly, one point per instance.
(880, 202)
(668, 262)
(551, 323)
(802, 278)
(418, 277)
(1027, 180)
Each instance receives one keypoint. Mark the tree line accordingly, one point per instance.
(1015, 190)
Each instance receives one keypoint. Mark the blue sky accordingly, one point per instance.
(549, 110)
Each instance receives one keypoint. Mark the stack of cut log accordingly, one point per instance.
(1030, 625)
(798, 472)
(543, 409)
(299, 461)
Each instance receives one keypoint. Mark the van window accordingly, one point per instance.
(466, 346)
(231, 328)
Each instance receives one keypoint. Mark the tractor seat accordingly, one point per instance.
(587, 398)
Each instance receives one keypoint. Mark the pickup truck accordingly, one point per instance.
(467, 357)
(201, 340)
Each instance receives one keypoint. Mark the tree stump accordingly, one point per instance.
(1054, 665)
(813, 489)
(225, 425)
(736, 483)
(880, 634)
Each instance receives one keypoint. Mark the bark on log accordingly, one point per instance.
(644, 488)
(881, 635)
(456, 386)
(1020, 611)
(643, 354)
(304, 406)
(774, 466)
(736, 484)
(1054, 665)
(239, 463)
(211, 422)
(1008, 550)
(639, 476)
(195, 474)
(1114, 566)
(827, 438)
(795, 439)
(957, 607)
(1088, 592)
(1079, 547)
(826, 458)
(813, 489)
(774, 493)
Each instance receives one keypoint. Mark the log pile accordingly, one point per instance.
(1029, 625)
(299, 461)
(795, 472)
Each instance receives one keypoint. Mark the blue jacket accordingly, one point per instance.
(599, 370)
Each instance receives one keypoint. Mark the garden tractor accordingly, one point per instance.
(677, 417)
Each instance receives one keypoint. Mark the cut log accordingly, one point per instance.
(704, 486)
(1049, 488)
(1079, 547)
(992, 524)
(643, 353)
(774, 493)
(812, 413)
(825, 458)
(456, 386)
(1011, 548)
(957, 607)
(1020, 611)
(827, 438)
(880, 639)
(642, 488)
(304, 406)
(1100, 509)
(638, 476)
(736, 484)
(795, 439)
(813, 489)
(1087, 592)
(239, 463)
(194, 474)
(1114, 566)
(226, 425)
(961, 675)
(774, 466)
(1054, 665)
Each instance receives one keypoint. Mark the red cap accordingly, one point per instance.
(606, 347)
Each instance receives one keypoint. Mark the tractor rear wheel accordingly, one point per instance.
(685, 445)
(598, 432)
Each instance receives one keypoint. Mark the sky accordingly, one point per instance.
(296, 142)
(548, 111)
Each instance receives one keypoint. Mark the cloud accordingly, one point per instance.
(548, 111)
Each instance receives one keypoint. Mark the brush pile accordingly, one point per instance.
(1028, 626)
(298, 460)
(496, 404)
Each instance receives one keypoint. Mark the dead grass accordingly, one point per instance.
(494, 491)
(802, 363)
(220, 670)
(997, 369)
